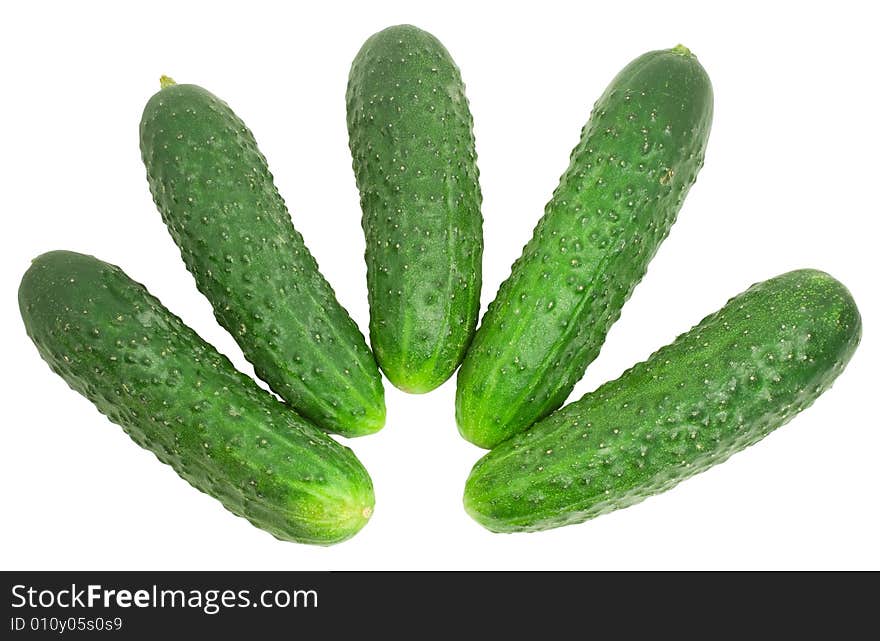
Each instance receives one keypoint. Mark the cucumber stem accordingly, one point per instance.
(681, 50)
(166, 81)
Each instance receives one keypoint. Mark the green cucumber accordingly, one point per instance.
(724, 385)
(412, 144)
(638, 156)
(218, 199)
(176, 396)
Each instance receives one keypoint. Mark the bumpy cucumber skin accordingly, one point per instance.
(176, 396)
(724, 385)
(412, 144)
(218, 199)
(638, 156)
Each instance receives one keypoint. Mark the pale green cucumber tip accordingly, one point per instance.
(166, 81)
(473, 436)
(353, 517)
(411, 387)
(413, 383)
(370, 424)
(472, 508)
(361, 513)
(681, 50)
(403, 26)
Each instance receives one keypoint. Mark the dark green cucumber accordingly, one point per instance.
(638, 156)
(412, 144)
(724, 385)
(218, 199)
(176, 396)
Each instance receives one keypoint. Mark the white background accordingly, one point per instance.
(791, 180)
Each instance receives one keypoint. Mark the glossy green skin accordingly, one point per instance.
(638, 156)
(412, 144)
(218, 199)
(724, 385)
(176, 396)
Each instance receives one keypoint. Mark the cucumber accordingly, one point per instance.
(176, 396)
(638, 156)
(412, 144)
(218, 199)
(724, 385)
